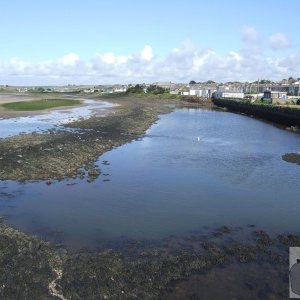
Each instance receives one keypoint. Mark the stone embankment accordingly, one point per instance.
(284, 115)
(197, 102)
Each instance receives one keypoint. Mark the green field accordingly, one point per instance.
(39, 104)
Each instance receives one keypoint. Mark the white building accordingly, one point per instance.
(228, 94)
(201, 91)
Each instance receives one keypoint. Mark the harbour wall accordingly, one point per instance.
(283, 115)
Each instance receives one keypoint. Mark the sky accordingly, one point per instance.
(55, 42)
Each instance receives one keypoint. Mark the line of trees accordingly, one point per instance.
(152, 89)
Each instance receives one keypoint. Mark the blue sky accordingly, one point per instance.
(59, 42)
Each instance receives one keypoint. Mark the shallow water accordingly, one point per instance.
(51, 119)
(193, 169)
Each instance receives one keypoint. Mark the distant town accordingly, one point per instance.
(286, 90)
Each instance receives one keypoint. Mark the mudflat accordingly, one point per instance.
(61, 154)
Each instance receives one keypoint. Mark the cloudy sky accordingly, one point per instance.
(53, 42)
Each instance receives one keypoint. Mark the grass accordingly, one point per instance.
(39, 104)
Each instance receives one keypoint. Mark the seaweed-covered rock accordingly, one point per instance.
(292, 158)
(262, 239)
(290, 240)
(27, 266)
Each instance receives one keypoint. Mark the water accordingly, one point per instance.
(193, 169)
(51, 119)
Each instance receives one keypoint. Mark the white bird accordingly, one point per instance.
(198, 139)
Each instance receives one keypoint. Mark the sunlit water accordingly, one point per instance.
(52, 119)
(193, 169)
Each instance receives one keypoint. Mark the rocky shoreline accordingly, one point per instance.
(34, 269)
(61, 154)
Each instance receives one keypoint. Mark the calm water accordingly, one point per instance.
(193, 169)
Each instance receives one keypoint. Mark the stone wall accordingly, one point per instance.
(279, 114)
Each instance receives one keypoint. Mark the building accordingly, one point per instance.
(275, 96)
(196, 90)
(201, 91)
(119, 88)
(228, 94)
(294, 88)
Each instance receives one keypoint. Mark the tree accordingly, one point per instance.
(155, 89)
(291, 80)
(193, 82)
(138, 88)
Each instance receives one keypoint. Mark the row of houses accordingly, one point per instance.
(274, 92)
(292, 88)
(267, 96)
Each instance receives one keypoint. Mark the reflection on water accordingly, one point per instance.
(235, 281)
(51, 119)
(192, 169)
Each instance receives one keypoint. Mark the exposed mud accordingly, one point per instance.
(61, 154)
(186, 267)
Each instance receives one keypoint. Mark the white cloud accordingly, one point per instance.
(111, 58)
(70, 59)
(250, 35)
(279, 41)
(181, 64)
(147, 53)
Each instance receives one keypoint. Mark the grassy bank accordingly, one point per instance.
(40, 104)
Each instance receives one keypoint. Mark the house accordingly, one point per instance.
(294, 88)
(119, 89)
(275, 96)
(228, 94)
(185, 91)
(198, 90)
(175, 88)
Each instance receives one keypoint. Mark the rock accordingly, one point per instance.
(290, 240)
(263, 239)
(292, 158)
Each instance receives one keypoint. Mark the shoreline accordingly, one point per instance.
(135, 269)
(174, 267)
(35, 156)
